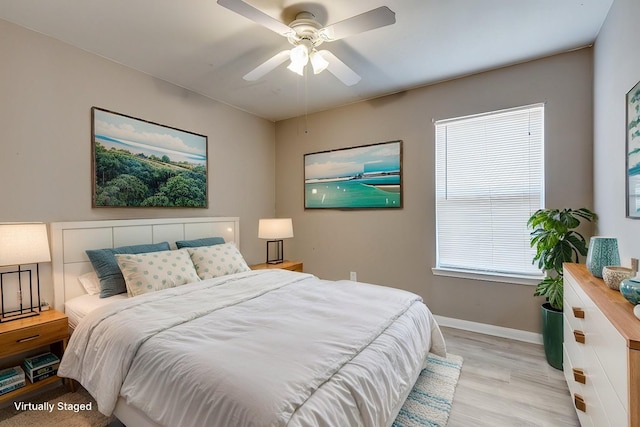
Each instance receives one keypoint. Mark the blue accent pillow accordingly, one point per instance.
(196, 243)
(106, 267)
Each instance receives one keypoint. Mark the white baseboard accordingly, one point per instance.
(484, 328)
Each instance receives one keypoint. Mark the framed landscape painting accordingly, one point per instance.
(633, 152)
(137, 163)
(365, 177)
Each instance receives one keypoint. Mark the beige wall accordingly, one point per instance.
(616, 71)
(47, 89)
(397, 247)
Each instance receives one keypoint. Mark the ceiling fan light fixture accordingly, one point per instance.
(300, 54)
(297, 68)
(318, 63)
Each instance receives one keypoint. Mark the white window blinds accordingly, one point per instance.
(489, 180)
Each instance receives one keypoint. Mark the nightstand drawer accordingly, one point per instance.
(23, 339)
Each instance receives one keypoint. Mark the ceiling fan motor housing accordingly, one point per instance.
(305, 28)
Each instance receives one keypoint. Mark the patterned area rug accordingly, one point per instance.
(428, 404)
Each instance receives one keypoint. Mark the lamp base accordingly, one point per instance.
(30, 310)
(8, 317)
(279, 252)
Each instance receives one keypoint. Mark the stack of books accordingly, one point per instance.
(11, 379)
(41, 366)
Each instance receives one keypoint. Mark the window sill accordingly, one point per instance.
(488, 277)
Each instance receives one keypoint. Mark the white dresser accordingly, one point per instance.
(601, 351)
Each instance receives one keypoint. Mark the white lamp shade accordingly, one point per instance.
(318, 63)
(275, 228)
(25, 243)
(299, 56)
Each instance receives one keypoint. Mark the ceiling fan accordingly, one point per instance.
(306, 34)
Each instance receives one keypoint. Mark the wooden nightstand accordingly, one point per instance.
(51, 327)
(285, 265)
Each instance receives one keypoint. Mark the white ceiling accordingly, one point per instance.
(201, 46)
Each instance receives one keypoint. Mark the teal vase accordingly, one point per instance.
(603, 251)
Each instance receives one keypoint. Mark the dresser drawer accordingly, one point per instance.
(20, 340)
(594, 399)
(577, 389)
(574, 307)
(575, 349)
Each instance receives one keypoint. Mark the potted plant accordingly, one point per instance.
(556, 242)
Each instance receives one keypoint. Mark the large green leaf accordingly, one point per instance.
(552, 288)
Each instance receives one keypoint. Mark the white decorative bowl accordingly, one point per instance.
(614, 274)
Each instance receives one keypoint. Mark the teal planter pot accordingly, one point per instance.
(552, 335)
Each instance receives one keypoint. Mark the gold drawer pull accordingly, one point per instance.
(579, 336)
(579, 376)
(578, 312)
(28, 338)
(579, 402)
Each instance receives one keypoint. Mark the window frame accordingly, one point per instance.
(478, 274)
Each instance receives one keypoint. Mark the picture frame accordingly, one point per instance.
(139, 163)
(362, 177)
(632, 170)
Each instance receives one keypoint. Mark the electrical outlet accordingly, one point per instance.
(353, 276)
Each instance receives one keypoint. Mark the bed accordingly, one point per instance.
(252, 348)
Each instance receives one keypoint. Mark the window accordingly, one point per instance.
(489, 180)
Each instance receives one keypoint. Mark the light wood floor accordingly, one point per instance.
(506, 383)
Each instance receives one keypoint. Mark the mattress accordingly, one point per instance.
(77, 308)
(269, 347)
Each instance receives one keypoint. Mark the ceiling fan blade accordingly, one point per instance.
(267, 66)
(375, 18)
(339, 69)
(245, 9)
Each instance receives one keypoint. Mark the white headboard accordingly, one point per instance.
(70, 240)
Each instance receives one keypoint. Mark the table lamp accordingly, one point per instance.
(22, 244)
(274, 230)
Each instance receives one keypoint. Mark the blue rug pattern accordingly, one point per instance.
(429, 403)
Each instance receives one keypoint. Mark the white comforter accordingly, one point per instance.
(261, 348)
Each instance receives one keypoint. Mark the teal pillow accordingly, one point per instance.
(196, 243)
(106, 267)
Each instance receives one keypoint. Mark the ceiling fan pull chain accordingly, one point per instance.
(306, 103)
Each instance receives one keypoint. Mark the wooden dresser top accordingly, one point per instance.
(613, 305)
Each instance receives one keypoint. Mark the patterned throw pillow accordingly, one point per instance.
(106, 267)
(153, 271)
(217, 260)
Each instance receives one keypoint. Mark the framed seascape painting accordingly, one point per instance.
(633, 152)
(137, 163)
(365, 177)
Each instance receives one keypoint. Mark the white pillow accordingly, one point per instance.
(152, 271)
(217, 260)
(90, 282)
